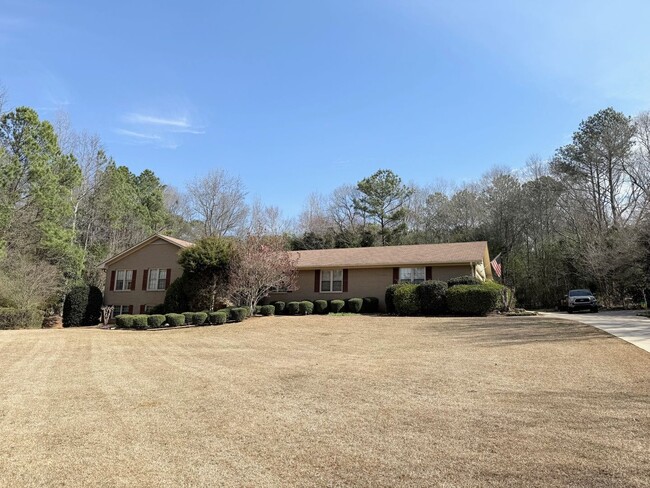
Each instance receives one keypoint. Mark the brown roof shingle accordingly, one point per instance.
(418, 254)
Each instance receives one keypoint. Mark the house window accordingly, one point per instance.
(157, 279)
(331, 280)
(123, 279)
(120, 309)
(147, 308)
(412, 275)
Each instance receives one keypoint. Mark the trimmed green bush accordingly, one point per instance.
(463, 280)
(337, 306)
(124, 321)
(140, 322)
(226, 311)
(432, 296)
(267, 310)
(354, 305)
(238, 314)
(292, 308)
(175, 319)
(189, 317)
(258, 309)
(217, 318)
(199, 318)
(320, 307)
(388, 297)
(82, 306)
(279, 307)
(305, 307)
(370, 305)
(406, 300)
(17, 318)
(156, 320)
(473, 299)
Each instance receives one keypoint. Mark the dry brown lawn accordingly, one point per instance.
(326, 401)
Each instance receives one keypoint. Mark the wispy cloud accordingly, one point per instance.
(165, 131)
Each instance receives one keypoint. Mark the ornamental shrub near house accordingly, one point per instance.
(305, 307)
(258, 309)
(217, 318)
(140, 322)
(320, 307)
(406, 300)
(17, 318)
(292, 308)
(432, 296)
(463, 280)
(388, 298)
(189, 317)
(82, 306)
(199, 318)
(473, 299)
(267, 310)
(279, 307)
(238, 314)
(337, 306)
(156, 320)
(124, 321)
(354, 305)
(175, 319)
(370, 305)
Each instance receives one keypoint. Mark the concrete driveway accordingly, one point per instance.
(624, 324)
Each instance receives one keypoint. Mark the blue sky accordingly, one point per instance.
(303, 96)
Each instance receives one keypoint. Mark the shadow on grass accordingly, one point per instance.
(511, 331)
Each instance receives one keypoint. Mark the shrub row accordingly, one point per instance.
(17, 318)
(141, 322)
(462, 296)
(321, 307)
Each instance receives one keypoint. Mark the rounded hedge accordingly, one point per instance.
(473, 299)
(463, 280)
(370, 305)
(432, 296)
(189, 317)
(199, 318)
(124, 321)
(258, 309)
(405, 299)
(82, 306)
(354, 305)
(337, 306)
(156, 320)
(18, 318)
(292, 308)
(238, 314)
(389, 299)
(279, 307)
(175, 319)
(217, 318)
(305, 307)
(267, 310)
(140, 322)
(320, 307)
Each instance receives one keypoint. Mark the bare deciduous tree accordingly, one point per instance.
(27, 283)
(217, 201)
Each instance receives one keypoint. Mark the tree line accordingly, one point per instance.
(579, 218)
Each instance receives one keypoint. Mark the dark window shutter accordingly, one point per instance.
(112, 287)
(429, 271)
(141, 309)
(145, 277)
(168, 278)
(317, 281)
(345, 280)
(130, 309)
(133, 278)
(395, 276)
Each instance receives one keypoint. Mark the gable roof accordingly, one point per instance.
(180, 243)
(417, 254)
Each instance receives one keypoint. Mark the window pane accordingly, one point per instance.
(337, 286)
(325, 275)
(325, 286)
(338, 274)
(153, 279)
(128, 278)
(405, 274)
(162, 275)
(419, 274)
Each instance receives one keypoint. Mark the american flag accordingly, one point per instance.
(496, 265)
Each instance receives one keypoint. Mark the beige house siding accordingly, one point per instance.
(362, 282)
(157, 254)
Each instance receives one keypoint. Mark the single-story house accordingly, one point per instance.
(137, 278)
(360, 272)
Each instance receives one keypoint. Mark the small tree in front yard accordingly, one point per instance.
(261, 265)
